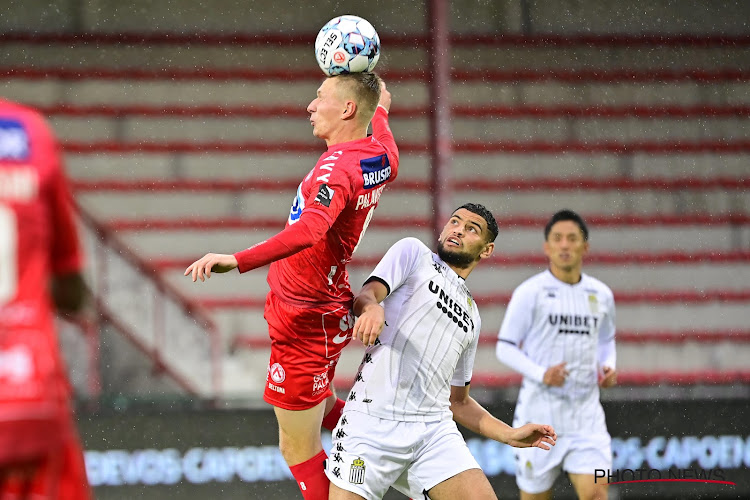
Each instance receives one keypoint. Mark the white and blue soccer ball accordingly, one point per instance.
(347, 44)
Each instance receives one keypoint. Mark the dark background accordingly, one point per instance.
(185, 428)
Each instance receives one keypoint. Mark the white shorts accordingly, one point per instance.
(537, 469)
(369, 455)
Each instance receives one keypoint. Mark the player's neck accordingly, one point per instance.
(346, 134)
(463, 272)
(570, 277)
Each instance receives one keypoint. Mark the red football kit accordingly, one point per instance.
(38, 239)
(308, 308)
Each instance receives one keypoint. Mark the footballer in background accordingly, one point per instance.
(40, 271)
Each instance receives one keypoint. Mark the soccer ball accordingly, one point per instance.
(347, 44)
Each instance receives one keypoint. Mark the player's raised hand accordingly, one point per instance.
(608, 377)
(385, 97)
(369, 324)
(556, 375)
(532, 435)
(211, 262)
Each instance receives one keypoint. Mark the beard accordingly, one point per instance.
(458, 259)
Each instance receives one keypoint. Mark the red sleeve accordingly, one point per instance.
(382, 132)
(304, 233)
(66, 255)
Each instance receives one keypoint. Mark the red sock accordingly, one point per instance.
(311, 477)
(330, 420)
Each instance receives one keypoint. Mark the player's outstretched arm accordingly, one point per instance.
(370, 314)
(473, 416)
(211, 262)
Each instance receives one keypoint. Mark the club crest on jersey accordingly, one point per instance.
(375, 171)
(593, 304)
(325, 195)
(357, 471)
(14, 141)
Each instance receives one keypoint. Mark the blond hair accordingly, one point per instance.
(364, 89)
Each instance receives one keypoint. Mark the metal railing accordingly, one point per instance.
(180, 338)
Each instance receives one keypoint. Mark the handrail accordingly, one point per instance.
(166, 301)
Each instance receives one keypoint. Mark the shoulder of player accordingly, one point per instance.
(411, 244)
(27, 114)
(533, 283)
(598, 284)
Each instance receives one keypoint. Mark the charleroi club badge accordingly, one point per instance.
(357, 472)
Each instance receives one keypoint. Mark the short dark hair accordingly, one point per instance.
(482, 211)
(365, 88)
(567, 214)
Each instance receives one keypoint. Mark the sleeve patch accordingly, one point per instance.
(14, 141)
(325, 195)
(375, 171)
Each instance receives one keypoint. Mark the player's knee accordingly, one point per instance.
(299, 446)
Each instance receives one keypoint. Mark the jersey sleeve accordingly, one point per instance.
(66, 254)
(306, 232)
(382, 132)
(332, 188)
(607, 351)
(517, 322)
(519, 316)
(465, 366)
(398, 263)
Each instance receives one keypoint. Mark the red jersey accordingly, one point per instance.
(343, 188)
(37, 240)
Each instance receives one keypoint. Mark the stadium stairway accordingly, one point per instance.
(189, 144)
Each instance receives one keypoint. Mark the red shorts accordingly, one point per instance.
(305, 346)
(59, 470)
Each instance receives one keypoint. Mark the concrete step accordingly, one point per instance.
(394, 55)
(649, 316)
(502, 16)
(250, 364)
(191, 243)
(489, 280)
(683, 357)
(143, 206)
(204, 92)
(413, 166)
(297, 129)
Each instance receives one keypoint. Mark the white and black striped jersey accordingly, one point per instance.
(429, 341)
(551, 321)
